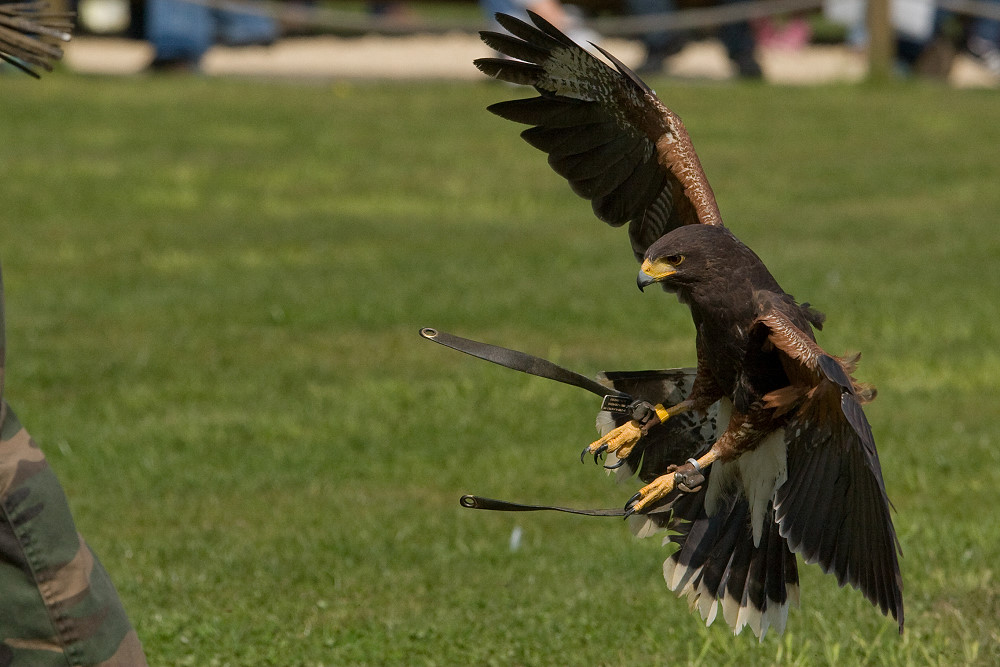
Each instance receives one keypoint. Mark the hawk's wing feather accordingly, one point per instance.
(517, 48)
(548, 111)
(604, 129)
(834, 510)
(30, 34)
(839, 515)
(542, 33)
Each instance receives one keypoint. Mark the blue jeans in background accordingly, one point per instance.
(183, 31)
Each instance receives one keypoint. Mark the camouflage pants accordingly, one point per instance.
(57, 603)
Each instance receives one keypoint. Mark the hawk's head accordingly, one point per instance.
(707, 264)
(691, 255)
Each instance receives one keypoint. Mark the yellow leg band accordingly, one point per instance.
(665, 413)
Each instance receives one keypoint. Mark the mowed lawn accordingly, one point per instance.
(214, 289)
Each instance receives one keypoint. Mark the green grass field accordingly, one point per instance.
(214, 289)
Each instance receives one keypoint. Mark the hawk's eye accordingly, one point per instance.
(674, 260)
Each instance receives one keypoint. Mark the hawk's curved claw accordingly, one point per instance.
(599, 454)
(649, 494)
(586, 450)
(630, 504)
(615, 466)
(620, 441)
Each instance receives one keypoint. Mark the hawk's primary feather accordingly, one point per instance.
(604, 130)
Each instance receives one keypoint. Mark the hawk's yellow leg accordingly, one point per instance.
(622, 439)
(664, 484)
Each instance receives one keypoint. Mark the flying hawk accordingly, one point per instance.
(784, 461)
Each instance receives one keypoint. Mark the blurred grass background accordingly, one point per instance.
(214, 289)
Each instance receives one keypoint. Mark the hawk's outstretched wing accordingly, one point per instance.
(833, 509)
(604, 129)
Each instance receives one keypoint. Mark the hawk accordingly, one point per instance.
(764, 451)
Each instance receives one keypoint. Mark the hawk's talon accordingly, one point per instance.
(631, 503)
(651, 494)
(586, 450)
(616, 466)
(620, 440)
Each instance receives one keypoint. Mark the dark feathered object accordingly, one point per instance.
(762, 453)
(31, 34)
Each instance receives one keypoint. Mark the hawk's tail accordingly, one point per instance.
(717, 564)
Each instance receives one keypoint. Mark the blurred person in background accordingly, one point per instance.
(790, 33)
(984, 41)
(917, 28)
(182, 32)
(737, 38)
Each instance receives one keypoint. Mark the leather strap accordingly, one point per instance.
(526, 363)
(520, 361)
(480, 503)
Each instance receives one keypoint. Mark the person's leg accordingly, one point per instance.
(660, 44)
(237, 28)
(58, 606)
(740, 45)
(984, 42)
(180, 32)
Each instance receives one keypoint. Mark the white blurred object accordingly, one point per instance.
(912, 18)
(515, 538)
(104, 17)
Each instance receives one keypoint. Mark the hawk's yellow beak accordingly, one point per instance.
(654, 271)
